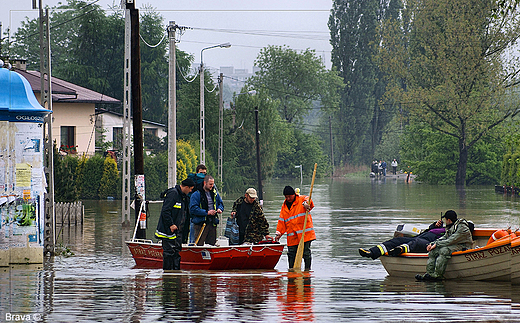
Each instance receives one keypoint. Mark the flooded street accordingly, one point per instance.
(98, 283)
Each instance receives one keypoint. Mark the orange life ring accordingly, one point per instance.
(497, 235)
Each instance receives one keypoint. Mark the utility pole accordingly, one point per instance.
(172, 108)
(46, 102)
(258, 169)
(331, 146)
(127, 81)
(220, 125)
(202, 131)
(137, 111)
(132, 101)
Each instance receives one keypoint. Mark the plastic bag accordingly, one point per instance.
(232, 231)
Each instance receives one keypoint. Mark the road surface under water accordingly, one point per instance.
(99, 284)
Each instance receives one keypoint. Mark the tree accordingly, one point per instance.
(154, 66)
(301, 149)
(361, 117)
(240, 170)
(454, 69)
(296, 79)
(108, 184)
(432, 156)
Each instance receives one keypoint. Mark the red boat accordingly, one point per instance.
(148, 254)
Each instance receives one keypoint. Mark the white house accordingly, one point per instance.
(110, 125)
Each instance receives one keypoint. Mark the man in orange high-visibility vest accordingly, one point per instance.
(292, 217)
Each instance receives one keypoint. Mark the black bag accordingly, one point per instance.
(232, 231)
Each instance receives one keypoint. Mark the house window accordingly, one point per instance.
(117, 138)
(151, 131)
(68, 139)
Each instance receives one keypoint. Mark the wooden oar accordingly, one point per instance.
(299, 253)
(200, 233)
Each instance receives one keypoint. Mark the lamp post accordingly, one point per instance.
(301, 174)
(202, 126)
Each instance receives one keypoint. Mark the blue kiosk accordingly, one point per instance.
(22, 178)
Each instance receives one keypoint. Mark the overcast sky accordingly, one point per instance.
(247, 25)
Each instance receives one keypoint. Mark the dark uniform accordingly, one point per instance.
(408, 244)
(174, 211)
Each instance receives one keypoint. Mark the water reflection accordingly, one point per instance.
(296, 304)
(99, 284)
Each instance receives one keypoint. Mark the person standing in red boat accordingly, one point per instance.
(172, 225)
(205, 206)
(456, 238)
(292, 217)
(252, 224)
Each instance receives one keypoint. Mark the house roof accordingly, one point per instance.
(104, 111)
(63, 91)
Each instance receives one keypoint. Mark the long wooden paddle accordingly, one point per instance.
(200, 233)
(299, 253)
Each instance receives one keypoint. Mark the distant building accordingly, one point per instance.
(235, 78)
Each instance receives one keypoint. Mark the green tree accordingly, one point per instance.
(296, 79)
(65, 189)
(108, 183)
(240, 170)
(454, 67)
(88, 50)
(432, 156)
(301, 149)
(89, 177)
(154, 66)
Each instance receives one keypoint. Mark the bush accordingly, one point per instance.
(108, 184)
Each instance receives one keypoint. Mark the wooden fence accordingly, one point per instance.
(69, 213)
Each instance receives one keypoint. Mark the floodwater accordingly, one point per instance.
(99, 284)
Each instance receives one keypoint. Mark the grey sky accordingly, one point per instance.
(247, 25)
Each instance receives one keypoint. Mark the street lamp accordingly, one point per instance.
(301, 174)
(202, 126)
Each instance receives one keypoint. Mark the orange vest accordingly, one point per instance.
(291, 221)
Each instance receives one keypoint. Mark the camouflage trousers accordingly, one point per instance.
(438, 260)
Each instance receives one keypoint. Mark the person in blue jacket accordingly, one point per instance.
(172, 225)
(205, 206)
(198, 178)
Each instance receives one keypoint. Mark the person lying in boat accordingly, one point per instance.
(401, 244)
(457, 238)
(252, 224)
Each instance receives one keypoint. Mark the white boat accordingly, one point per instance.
(483, 262)
(515, 260)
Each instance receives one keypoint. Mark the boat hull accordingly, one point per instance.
(515, 261)
(148, 254)
(492, 262)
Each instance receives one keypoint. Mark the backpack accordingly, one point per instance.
(198, 178)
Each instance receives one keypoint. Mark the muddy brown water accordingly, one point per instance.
(99, 284)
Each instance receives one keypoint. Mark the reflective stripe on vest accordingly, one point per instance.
(291, 218)
(161, 235)
(299, 232)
